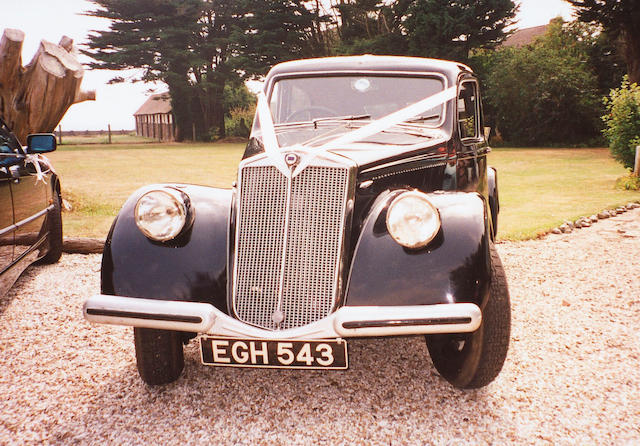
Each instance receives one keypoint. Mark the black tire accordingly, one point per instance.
(54, 223)
(472, 360)
(159, 355)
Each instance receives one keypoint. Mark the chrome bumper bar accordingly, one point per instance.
(346, 322)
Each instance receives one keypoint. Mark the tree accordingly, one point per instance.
(370, 26)
(267, 32)
(197, 47)
(447, 29)
(165, 39)
(543, 93)
(620, 19)
(451, 29)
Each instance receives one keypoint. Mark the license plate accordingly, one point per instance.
(292, 354)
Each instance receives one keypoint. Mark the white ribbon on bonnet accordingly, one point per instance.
(270, 140)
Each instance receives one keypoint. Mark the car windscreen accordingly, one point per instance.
(353, 96)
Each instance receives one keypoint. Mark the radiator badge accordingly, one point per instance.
(291, 159)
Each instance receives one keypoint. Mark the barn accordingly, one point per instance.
(154, 118)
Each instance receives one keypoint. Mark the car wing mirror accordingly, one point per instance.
(41, 143)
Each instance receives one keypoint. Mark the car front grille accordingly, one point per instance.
(289, 238)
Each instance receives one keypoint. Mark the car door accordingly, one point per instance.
(7, 156)
(30, 202)
(469, 163)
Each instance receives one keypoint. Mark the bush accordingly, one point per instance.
(622, 122)
(543, 93)
(628, 182)
(239, 121)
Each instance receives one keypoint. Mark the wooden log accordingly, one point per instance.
(34, 98)
(74, 245)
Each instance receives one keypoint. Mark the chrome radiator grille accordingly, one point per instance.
(289, 239)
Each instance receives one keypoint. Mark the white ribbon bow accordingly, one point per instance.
(35, 160)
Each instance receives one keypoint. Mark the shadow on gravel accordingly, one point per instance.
(390, 387)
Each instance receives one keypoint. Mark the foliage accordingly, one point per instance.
(622, 122)
(543, 93)
(451, 29)
(428, 28)
(239, 121)
(628, 182)
(370, 26)
(619, 19)
(267, 32)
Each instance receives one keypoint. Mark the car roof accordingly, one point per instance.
(370, 62)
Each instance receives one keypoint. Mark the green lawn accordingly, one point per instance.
(539, 188)
(97, 179)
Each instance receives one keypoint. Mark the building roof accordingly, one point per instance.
(525, 36)
(157, 103)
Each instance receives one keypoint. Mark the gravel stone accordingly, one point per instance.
(571, 377)
(565, 228)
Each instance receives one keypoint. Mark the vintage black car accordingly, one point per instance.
(363, 207)
(30, 220)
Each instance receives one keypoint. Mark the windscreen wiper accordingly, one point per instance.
(339, 118)
(422, 118)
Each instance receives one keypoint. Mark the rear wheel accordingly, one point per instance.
(54, 223)
(472, 360)
(159, 355)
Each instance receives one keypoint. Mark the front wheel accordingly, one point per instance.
(472, 360)
(159, 355)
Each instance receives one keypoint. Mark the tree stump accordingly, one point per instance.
(34, 98)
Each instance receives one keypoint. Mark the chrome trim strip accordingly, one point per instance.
(149, 313)
(35, 216)
(381, 321)
(429, 156)
(285, 240)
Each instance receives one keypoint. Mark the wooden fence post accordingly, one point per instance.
(109, 129)
(59, 135)
(636, 166)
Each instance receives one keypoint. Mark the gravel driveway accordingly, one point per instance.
(572, 375)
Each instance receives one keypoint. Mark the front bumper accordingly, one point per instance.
(346, 322)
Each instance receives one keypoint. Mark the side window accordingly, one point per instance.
(468, 110)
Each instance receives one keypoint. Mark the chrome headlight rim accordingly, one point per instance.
(182, 204)
(418, 244)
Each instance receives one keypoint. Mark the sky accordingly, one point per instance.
(116, 103)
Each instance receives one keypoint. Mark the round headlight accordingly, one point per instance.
(161, 214)
(412, 220)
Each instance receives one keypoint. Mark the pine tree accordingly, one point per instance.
(449, 29)
(198, 47)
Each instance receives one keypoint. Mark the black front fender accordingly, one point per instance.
(191, 268)
(454, 267)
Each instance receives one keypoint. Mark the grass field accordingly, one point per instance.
(539, 188)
